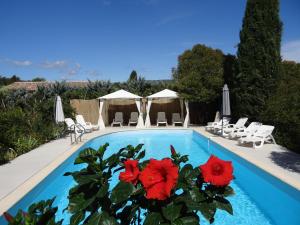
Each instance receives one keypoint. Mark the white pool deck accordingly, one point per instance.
(23, 173)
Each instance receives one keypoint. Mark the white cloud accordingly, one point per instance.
(54, 64)
(291, 50)
(21, 63)
(74, 70)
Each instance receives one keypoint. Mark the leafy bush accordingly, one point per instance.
(25, 144)
(41, 213)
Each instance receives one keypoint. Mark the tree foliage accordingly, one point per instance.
(8, 80)
(258, 57)
(199, 74)
(133, 76)
(283, 107)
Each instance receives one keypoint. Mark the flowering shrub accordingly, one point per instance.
(149, 192)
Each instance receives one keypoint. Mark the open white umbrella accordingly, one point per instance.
(59, 113)
(225, 104)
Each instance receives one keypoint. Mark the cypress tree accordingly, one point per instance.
(258, 57)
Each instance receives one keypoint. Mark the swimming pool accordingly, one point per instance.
(260, 198)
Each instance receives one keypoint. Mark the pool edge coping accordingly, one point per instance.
(17, 194)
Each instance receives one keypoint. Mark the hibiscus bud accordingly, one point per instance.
(9, 218)
(173, 152)
(25, 214)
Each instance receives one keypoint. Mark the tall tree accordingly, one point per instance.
(258, 57)
(133, 76)
(199, 74)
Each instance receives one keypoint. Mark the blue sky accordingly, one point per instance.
(107, 39)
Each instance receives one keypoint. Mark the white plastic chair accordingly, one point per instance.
(75, 129)
(217, 125)
(161, 119)
(176, 119)
(118, 120)
(133, 120)
(87, 125)
(262, 135)
(229, 128)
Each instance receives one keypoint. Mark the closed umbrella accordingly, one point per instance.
(225, 104)
(59, 113)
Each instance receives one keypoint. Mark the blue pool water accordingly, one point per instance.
(260, 198)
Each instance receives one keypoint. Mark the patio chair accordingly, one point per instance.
(262, 135)
(243, 132)
(134, 117)
(217, 119)
(76, 129)
(216, 125)
(176, 119)
(161, 119)
(87, 125)
(118, 120)
(229, 128)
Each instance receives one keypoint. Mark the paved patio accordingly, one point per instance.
(23, 173)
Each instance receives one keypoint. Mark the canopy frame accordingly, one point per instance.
(120, 95)
(167, 94)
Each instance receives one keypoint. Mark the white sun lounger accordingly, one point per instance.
(118, 120)
(217, 119)
(229, 128)
(262, 135)
(75, 129)
(133, 120)
(88, 126)
(161, 119)
(176, 119)
(243, 132)
(216, 125)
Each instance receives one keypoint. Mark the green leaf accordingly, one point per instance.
(208, 210)
(223, 204)
(153, 218)
(102, 191)
(189, 220)
(196, 195)
(102, 149)
(102, 219)
(186, 171)
(76, 218)
(171, 212)
(121, 192)
(140, 155)
(228, 191)
(87, 152)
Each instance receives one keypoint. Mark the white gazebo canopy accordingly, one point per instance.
(164, 96)
(120, 94)
(120, 97)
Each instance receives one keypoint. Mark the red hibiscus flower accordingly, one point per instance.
(217, 172)
(131, 173)
(158, 178)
